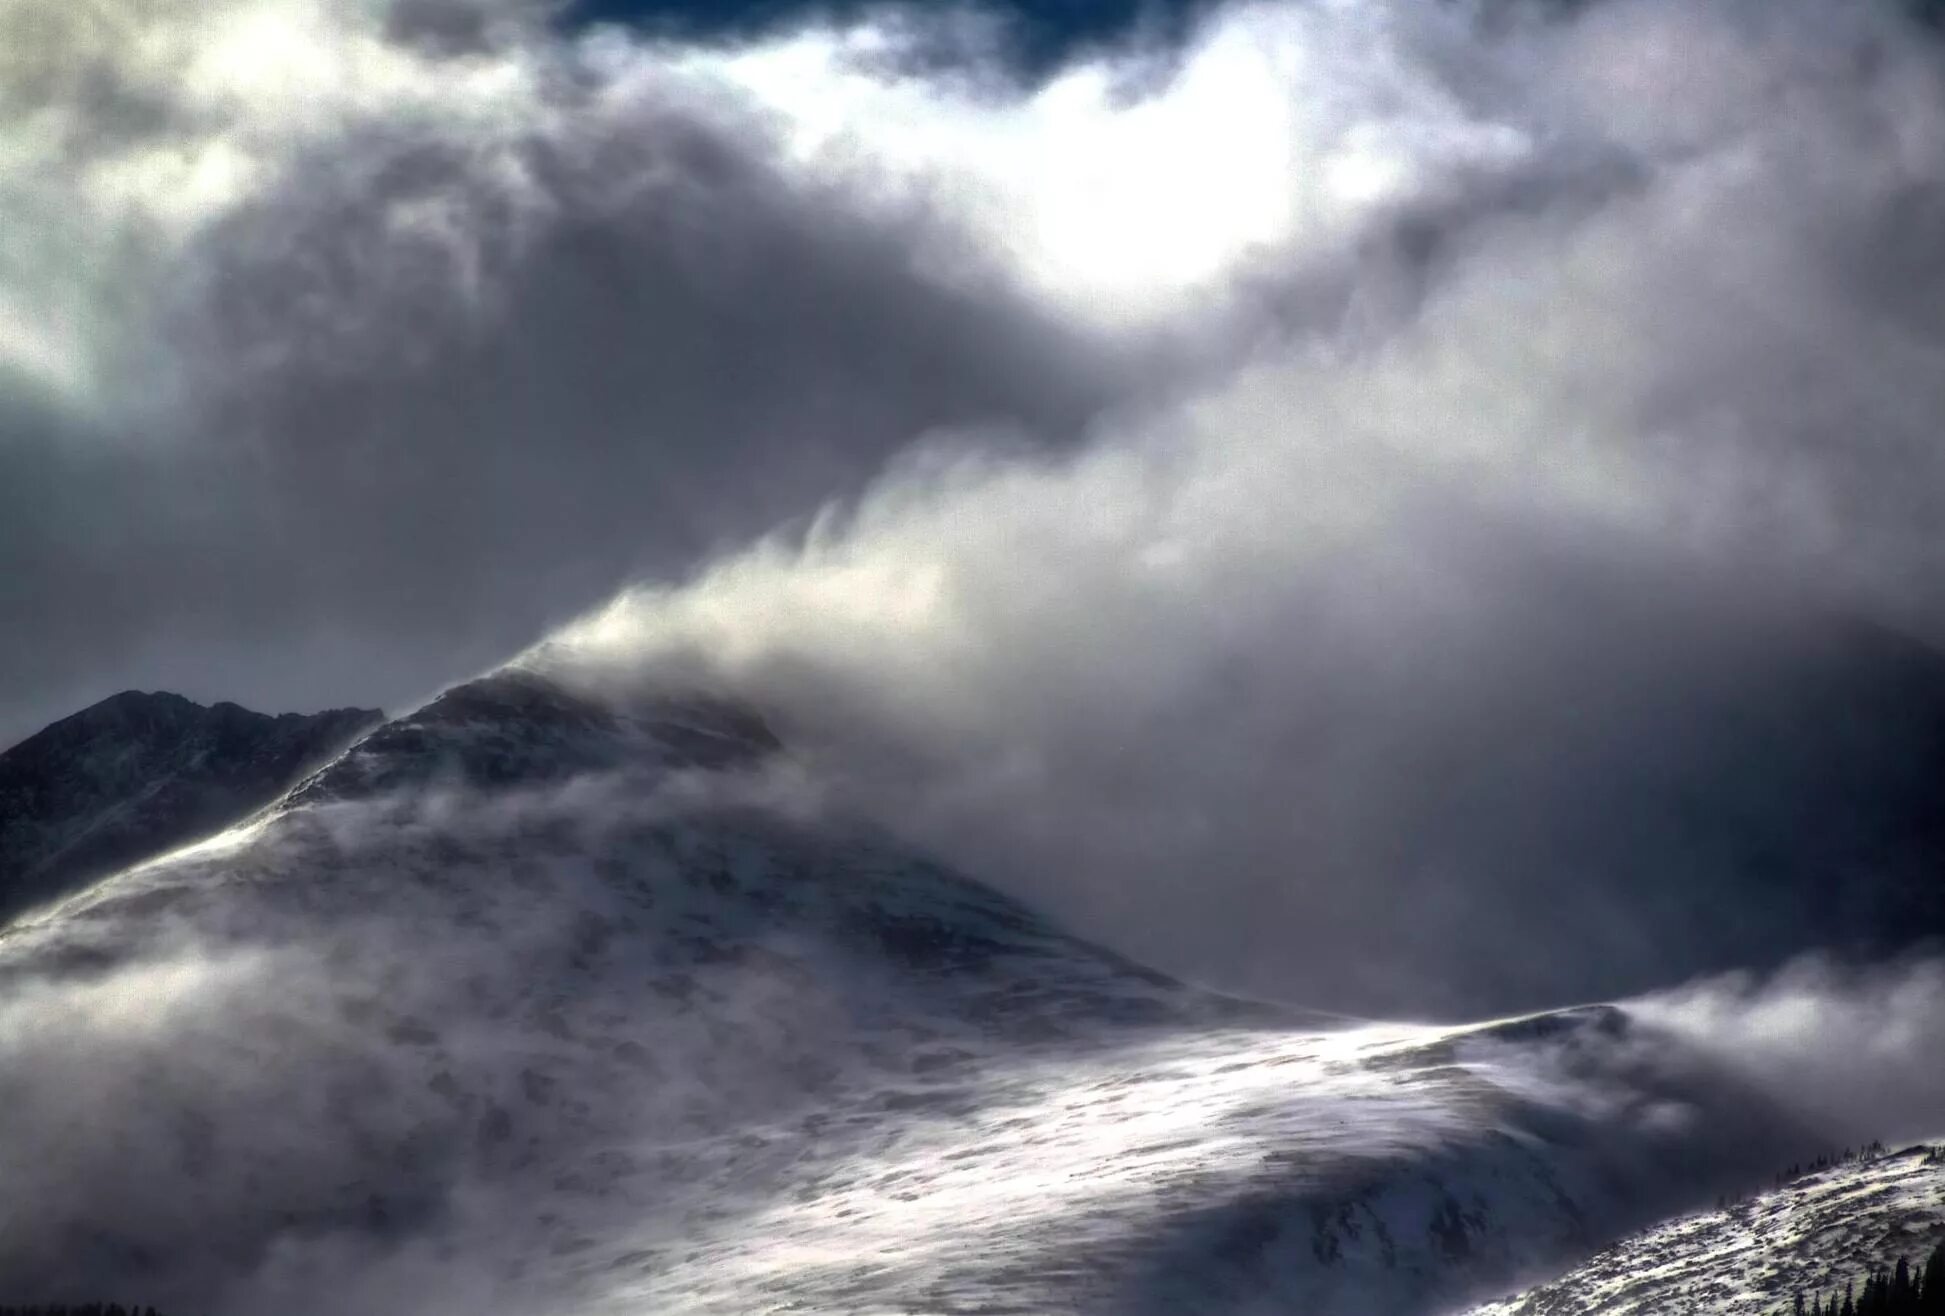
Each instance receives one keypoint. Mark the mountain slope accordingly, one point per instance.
(1812, 1236)
(533, 1001)
(138, 774)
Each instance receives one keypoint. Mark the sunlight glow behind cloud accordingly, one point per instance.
(1128, 185)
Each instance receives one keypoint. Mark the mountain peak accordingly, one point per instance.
(141, 772)
(515, 727)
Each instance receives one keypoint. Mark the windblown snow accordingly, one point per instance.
(531, 1002)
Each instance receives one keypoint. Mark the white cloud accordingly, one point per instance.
(1135, 181)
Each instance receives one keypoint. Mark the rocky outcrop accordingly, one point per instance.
(138, 774)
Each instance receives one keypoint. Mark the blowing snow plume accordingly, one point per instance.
(530, 1002)
(1412, 509)
(1533, 536)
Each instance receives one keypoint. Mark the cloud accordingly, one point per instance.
(421, 348)
(1393, 664)
(1124, 185)
(1310, 485)
(1410, 508)
(1851, 1051)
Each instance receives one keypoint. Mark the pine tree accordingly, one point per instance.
(1932, 1293)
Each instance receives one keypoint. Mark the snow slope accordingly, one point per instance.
(1813, 1235)
(534, 1003)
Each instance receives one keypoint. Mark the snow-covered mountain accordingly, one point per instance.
(138, 773)
(1813, 1235)
(533, 1001)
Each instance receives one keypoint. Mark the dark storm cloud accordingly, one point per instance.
(1486, 640)
(432, 391)
(1529, 376)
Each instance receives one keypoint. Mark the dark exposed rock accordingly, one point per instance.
(514, 728)
(138, 774)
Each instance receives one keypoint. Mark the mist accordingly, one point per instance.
(1812, 1032)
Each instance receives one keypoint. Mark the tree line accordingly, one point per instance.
(1865, 1155)
(1900, 1291)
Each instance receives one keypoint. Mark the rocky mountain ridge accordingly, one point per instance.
(138, 774)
